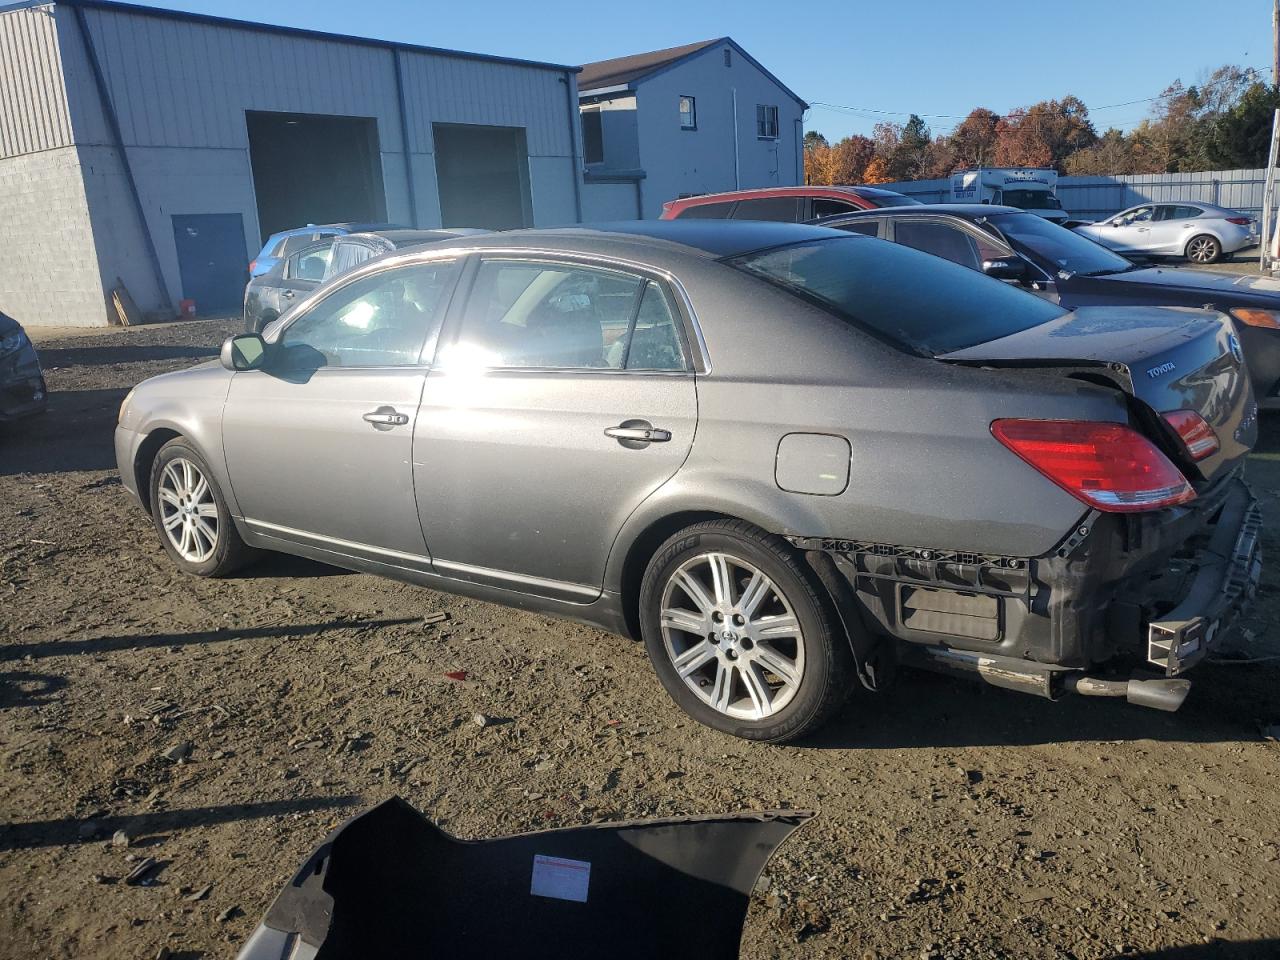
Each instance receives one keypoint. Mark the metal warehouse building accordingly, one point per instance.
(157, 149)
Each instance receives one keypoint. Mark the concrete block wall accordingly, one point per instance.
(48, 259)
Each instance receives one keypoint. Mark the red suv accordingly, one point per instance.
(789, 204)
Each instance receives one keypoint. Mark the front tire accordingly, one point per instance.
(191, 515)
(741, 634)
(1204, 249)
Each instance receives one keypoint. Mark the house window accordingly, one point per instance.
(592, 137)
(766, 122)
(688, 114)
(728, 57)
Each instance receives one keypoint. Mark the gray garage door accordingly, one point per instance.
(483, 176)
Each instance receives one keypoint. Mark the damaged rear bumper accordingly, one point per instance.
(1155, 592)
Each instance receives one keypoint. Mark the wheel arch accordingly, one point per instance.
(1206, 233)
(145, 457)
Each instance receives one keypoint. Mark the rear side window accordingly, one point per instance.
(348, 256)
(295, 243)
(561, 315)
(705, 211)
(939, 239)
(918, 302)
(868, 228)
(784, 209)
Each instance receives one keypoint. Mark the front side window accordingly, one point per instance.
(822, 207)
(561, 315)
(867, 227)
(688, 114)
(386, 319)
(766, 122)
(918, 302)
(1137, 215)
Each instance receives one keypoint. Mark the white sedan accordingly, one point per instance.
(1201, 232)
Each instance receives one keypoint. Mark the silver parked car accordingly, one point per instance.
(1201, 232)
(785, 456)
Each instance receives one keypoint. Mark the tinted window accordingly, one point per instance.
(786, 209)
(920, 302)
(940, 239)
(1185, 213)
(297, 242)
(1055, 247)
(349, 254)
(522, 314)
(887, 198)
(1137, 215)
(823, 207)
(706, 211)
(384, 319)
(868, 227)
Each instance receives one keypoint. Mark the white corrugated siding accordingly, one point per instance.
(33, 98)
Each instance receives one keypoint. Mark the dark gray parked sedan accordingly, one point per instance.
(785, 456)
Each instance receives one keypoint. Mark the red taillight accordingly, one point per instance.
(1197, 436)
(253, 265)
(1106, 465)
(1240, 221)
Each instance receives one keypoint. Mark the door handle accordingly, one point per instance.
(638, 431)
(386, 418)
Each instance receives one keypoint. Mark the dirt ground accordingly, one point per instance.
(953, 820)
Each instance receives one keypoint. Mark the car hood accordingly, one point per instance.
(1229, 284)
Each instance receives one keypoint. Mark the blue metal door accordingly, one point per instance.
(212, 260)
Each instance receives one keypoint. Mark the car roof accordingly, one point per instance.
(708, 239)
(403, 236)
(969, 211)
(837, 190)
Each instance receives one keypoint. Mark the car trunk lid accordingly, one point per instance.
(1166, 359)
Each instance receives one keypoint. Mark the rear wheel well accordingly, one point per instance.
(642, 551)
(146, 456)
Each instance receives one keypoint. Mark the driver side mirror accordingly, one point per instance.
(1005, 269)
(244, 351)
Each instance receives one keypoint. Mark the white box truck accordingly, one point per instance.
(1029, 188)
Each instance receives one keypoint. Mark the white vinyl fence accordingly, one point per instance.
(1095, 198)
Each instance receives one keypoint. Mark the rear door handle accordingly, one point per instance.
(638, 431)
(384, 417)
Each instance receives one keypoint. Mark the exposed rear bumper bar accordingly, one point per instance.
(1051, 682)
(1225, 583)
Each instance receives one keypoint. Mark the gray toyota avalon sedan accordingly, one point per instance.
(787, 457)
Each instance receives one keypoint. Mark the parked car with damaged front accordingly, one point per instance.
(785, 457)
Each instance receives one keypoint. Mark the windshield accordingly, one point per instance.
(926, 304)
(1032, 199)
(1057, 248)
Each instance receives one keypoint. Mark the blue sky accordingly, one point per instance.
(926, 56)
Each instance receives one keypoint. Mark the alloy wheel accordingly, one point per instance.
(732, 636)
(188, 512)
(1202, 250)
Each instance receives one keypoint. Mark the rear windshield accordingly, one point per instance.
(925, 304)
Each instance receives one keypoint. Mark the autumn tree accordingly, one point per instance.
(973, 142)
(1044, 134)
(1241, 136)
(849, 159)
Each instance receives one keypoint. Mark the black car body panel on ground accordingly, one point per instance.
(1076, 272)
(22, 387)
(390, 883)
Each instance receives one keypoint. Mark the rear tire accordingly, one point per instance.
(1204, 249)
(191, 514)
(742, 635)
